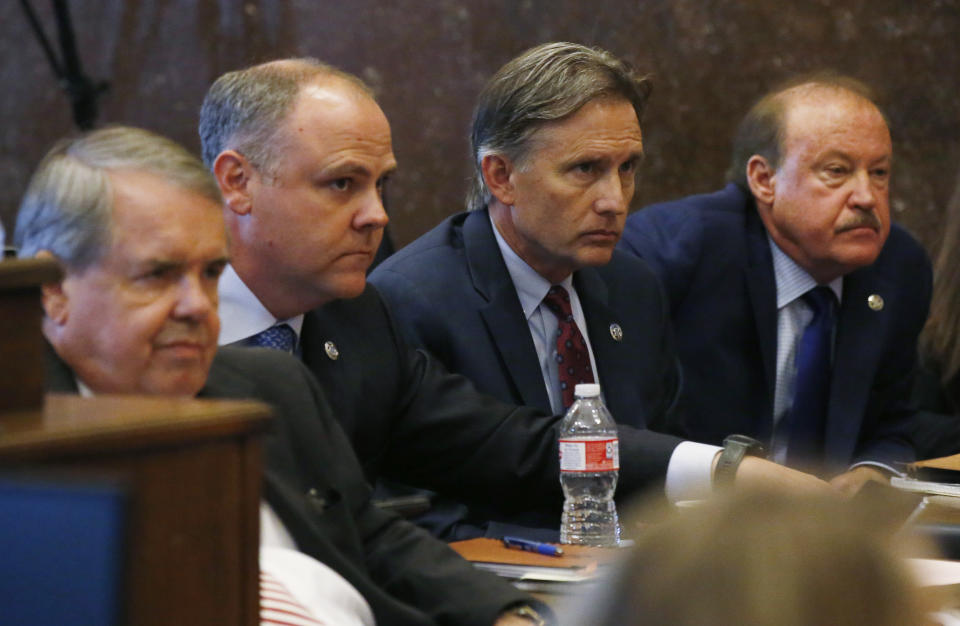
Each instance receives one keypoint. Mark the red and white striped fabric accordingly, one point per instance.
(279, 607)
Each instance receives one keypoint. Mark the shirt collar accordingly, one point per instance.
(242, 314)
(531, 287)
(792, 280)
(82, 389)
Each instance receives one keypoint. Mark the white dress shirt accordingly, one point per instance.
(690, 470)
(323, 592)
(242, 315)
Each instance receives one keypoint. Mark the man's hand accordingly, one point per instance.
(757, 473)
(850, 482)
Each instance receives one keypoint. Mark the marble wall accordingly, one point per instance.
(428, 59)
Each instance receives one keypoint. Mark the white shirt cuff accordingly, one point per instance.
(690, 471)
(883, 466)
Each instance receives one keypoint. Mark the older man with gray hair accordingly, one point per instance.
(796, 301)
(525, 294)
(137, 223)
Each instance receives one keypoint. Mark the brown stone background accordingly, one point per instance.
(427, 60)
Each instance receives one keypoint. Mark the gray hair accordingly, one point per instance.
(763, 130)
(547, 83)
(243, 110)
(68, 207)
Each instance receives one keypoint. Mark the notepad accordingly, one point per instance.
(531, 571)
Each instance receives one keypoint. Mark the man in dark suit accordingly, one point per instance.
(808, 207)
(137, 223)
(556, 142)
(471, 291)
(302, 153)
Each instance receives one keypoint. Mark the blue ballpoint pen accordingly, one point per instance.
(532, 546)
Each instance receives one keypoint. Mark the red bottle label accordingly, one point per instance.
(589, 455)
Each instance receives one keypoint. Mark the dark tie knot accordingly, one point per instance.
(821, 299)
(558, 301)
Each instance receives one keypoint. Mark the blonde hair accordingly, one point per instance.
(765, 559)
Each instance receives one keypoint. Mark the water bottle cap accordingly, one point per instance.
(587, 390)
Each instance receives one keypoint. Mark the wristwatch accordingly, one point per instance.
(735, 447)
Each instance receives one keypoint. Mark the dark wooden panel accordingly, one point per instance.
(193, 469)
(21, 342)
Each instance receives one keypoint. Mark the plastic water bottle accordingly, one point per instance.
(589, 466)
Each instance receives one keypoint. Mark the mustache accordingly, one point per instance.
(859, 221)
(177, 331)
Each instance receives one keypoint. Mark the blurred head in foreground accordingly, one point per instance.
(766, 559)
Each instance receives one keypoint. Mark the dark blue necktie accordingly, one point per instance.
(808, 414)
(279, 337)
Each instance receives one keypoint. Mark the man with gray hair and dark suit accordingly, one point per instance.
(136, 222)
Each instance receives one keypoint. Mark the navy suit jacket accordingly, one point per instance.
(451, 294)
(712, 253)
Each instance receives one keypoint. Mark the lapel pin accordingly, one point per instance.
(331, 349)
(616, 332)
(875, 302)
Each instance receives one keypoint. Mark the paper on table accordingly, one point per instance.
(926, 486)
(935, 572)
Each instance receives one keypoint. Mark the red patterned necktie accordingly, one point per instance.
(573, 357)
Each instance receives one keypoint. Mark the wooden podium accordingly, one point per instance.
(21, 343)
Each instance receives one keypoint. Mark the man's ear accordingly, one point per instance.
(233, 173)
(762, 179)
(497, 170)
(53, 297)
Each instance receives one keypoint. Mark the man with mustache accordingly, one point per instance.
(797, 258)
(137, 223)
(302, 152)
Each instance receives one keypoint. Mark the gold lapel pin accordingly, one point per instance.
(875, 302)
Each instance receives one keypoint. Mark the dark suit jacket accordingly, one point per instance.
(315, 485)
(451, 293)
(413, 422)
(712, 254)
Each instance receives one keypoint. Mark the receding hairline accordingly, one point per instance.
(283, 136)
(814, 94)
(328, 79)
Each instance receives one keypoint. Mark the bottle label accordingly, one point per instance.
(589, 455)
